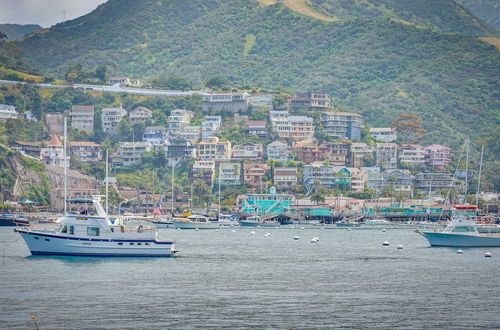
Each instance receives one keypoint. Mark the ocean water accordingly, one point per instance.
(226, 279)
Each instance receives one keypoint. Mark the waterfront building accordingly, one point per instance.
(85, 151)
(384, 134)
(278, 151)
(82, 118)
(210, 126)
(359, 151)
(427, 181)
(177, 150)
(269, 204)
(285, 177)
(254, 174)
(191, 133)
(248, 151)
(231, 102)
(437, 156)
(213, 149)
(326, 176)
(230, 174)
(129, 153)
(386, 155)
(8, 111)
(257, 128)
(140, 115)
(178, 121)
(53, 153)
(110, 117)
(336, 152)
(204, 170)
(313, 101)
(412, 154)
(155, 135)
(374, 178)
(342, 125)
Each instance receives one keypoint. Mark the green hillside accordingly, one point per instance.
(14, 31)
(443, 15)
(378, 67)
(486, 10)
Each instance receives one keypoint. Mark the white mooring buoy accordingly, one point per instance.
(296, 238)
(196, 229)
(233, 231)
(267, 234)
(252, 233)
(349, 229)
(301, 227)
(314, 240)
(487, 255)
(460, 252)
(383, 230)
(400, 247)
(385, 243)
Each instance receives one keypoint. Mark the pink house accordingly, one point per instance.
(437, 156)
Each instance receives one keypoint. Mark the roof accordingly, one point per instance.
(83, 144)
(256, 122)
(300, 119)
(380, 129)
(340, 113)
(54, 142)
(142, 109)
(30, 144)
(277, 144)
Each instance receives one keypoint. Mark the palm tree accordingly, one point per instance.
(317, 198)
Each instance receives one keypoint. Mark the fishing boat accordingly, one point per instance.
(195, 221)
(13, 220)
(86, 230)
(462, 231)
(256, 221)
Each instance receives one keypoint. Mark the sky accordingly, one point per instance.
(44, 12)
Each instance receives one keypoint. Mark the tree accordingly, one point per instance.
(2, 36)
(100, 73)
(409, 127)
(74, 73)
(317, 197)
(172, 82)
(216, 82)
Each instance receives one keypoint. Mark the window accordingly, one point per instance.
(72, 230)
(120, 243)
(64, 230)
(92, 231)
(36, 237)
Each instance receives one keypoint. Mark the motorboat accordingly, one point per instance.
(195, 221)
(462, 231)
(13, 220)
(256, 221)
(227, 220)
(86, 230)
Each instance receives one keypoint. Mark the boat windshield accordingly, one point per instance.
(81, 207)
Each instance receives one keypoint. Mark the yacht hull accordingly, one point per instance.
(454, 240)
(259, 224)
(40, 243)
(195, 225)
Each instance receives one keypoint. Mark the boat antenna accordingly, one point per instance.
(65, 165)
(107, 181)
(479, 177)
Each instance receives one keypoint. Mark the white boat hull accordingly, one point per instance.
(195, 225)
(259, 224)
(41, 243)
(457, 240)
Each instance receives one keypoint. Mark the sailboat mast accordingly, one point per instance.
(107, 181)
(479, 177)
(65, 165)
(466, 170)
(219, 193)
(173, 189)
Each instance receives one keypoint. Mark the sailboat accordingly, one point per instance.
(87, 230)
(463, 230)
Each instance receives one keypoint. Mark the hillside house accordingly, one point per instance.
(140, 115)
(229, 174)
(278, 151)
(254, 174)
(248, 151)
(342, 125)
(85, 151)
(204, 170)
(386, 155)
(110, 117)
(384, 134)
(82, 118)
(313, 101)
(129, 153)
(213, 149)
(231, 102)
(437, 156)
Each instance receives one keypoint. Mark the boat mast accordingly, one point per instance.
(107, 181)
(65, 165)
(173, 166)
(466, 170)
(479, 177)
(219, 193)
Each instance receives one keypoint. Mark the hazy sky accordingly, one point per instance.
(44, 12)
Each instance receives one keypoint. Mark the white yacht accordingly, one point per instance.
(256, 221)
(86, 230)
(462, 231)
(195, 221)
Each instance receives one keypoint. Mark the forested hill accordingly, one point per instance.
(487, 10)
(379, 67)
(14, 31)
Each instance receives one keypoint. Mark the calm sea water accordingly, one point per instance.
(226, 279)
